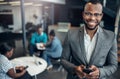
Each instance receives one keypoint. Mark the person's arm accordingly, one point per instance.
(52, 47)
(66, 55)
(112, 63)
(11, 72)
(8, 68)
(48, 44)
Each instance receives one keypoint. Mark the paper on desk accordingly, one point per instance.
(40, 46)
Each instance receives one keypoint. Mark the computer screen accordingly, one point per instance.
(6, 19)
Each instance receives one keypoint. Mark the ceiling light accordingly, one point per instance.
(3, 2)
(37, 5)
(28, 3)
(18, 4)
(14, 2)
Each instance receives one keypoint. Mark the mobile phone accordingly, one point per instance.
(26, 67)
(39, 62)
(18, 71)
(87, 70)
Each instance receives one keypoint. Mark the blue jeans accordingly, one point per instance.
(32, 49)
(47, 56)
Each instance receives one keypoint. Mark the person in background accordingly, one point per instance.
(7, 70)
(53, 49)
(90, 52)
(45, 21)
(37, 37)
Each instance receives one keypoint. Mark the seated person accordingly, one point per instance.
(53, 49)
(38, 37)
(7, 69)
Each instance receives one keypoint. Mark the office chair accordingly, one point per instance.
(56, 61)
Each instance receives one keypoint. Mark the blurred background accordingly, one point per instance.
(18, 19)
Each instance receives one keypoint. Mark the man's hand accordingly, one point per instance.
(94, 74)
(21, 68)
(79, 71)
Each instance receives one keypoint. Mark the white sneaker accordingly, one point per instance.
(49, 67)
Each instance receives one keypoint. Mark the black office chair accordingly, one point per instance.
(56, 61)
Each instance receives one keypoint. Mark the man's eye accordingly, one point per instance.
(97, 14)
(88, 13)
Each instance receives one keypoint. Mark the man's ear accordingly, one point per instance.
(83, 14)
(102, 14)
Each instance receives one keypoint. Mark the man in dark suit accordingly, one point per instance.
(91, 51)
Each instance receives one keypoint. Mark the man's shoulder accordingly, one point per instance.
(75, 31)
(35, 33)
(2, 57)
(4, 60)
(108, 32)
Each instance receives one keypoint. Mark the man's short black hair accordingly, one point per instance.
(94, 2)
(39, 26)
(52, 33)
(4, 48)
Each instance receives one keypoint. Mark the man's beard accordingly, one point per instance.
(89, 27)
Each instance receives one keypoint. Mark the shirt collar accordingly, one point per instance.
(95, 33)
(40, 34)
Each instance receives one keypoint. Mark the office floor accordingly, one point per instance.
(52, 74)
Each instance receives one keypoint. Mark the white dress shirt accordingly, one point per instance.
(89, 44)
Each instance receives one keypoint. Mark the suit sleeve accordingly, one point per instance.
(66, 55)
(112, 63)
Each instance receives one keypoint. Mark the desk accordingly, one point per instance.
(33, 68)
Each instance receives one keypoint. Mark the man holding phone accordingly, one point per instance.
(90, 52)
(26, 75)
(20, 69)
(7, 69)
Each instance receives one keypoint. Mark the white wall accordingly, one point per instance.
(29, 12)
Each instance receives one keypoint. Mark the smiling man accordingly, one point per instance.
(92, 16)
(91, 51)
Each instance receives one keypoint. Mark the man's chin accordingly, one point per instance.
(91, 28)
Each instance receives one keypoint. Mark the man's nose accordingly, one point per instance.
(92, 17)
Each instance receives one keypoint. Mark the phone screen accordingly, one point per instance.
(26, 67)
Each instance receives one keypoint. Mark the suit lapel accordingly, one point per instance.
(81, 41)
(98, 45)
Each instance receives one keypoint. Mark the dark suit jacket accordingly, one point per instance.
(104, 55)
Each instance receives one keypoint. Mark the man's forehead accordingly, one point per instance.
(90, 6)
